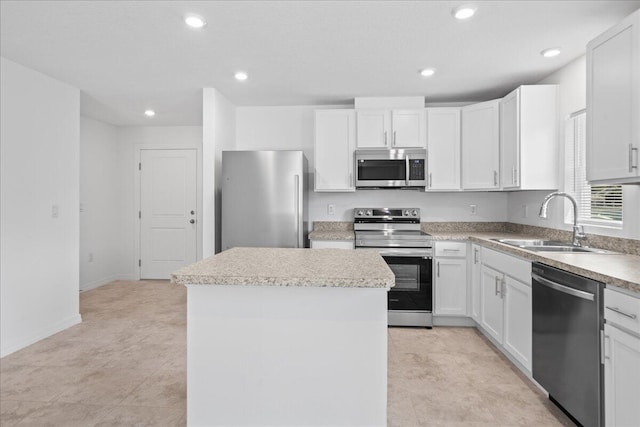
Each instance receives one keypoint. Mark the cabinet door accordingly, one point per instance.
(621, 377)
(334, 138)
(476, 281)
(517, 320)
(480, 146)
(491, 306)
(408, 128)
(613, 102)
(373, 127)
(510, 139)
(443, 147)
(451, 287)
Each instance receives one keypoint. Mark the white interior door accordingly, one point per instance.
(168, 214)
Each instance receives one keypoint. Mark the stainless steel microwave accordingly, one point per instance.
(400, 168)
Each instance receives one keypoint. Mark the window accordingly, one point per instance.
(598, 204)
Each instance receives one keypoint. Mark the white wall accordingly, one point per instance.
(291, 128)
(39, 174)
(218, 128)
(130, 141)
(101, 205)
(572, 81)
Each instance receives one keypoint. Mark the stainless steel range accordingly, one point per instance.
(396, 234)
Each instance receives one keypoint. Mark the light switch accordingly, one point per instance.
(474, 209)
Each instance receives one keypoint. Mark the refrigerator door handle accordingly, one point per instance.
(296, 200)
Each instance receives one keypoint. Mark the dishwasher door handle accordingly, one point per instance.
(562, 288)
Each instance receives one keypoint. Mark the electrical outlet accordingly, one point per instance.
(331, 209)
(474, 209)
(54, 211)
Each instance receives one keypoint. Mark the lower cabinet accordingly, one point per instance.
(450, 279)
(476, 282)
(505, 303)
(621, 359)
(332, 244)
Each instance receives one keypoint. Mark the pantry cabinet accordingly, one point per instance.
(335, 133)
(481, 146)
(443, 149)
(528, 138)
(450, 279)
(613, 104)
(621, 358)
(383, 128)
(505, 303)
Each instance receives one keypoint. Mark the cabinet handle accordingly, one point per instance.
(617, 310)
(451, 250)
(607, 353)
(430, 180)
(394, 138)
(385, 139)
(496, 287)
(438, 269)
(475, 255)
(631, 165)
(495, 178)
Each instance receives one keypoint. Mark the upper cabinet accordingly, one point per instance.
(443, 148)
(335, 133)
(613, 104)
(528, 138)
(383, 128)
(481, 146)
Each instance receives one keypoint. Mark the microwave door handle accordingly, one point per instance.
(406, 176)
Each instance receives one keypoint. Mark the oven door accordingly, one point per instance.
(412, 290)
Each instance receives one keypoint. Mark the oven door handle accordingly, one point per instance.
(406, 254)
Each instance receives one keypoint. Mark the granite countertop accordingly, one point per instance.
(290, 267)
(621, 270)
(332, 235)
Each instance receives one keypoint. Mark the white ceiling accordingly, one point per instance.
(127, 56)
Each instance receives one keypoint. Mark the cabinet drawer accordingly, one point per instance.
(510, 265)
(332, 244)
(451, 249)
(622, 309)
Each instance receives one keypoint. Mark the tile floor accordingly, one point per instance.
(124, 365)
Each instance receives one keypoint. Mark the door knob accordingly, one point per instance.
(193, 221)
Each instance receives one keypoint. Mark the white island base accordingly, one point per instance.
(286, 355)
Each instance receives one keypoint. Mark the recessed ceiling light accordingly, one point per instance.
(195, 21)
(464, 12)
(241, 75)
(149, 113)
(551, 52)
(427, 72)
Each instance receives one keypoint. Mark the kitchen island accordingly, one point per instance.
(281, 336)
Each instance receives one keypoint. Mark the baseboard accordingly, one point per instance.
(453, 321)
(45, 333)
(97, 283)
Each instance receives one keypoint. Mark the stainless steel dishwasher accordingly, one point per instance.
(567, 329)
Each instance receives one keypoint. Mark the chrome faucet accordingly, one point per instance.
(578, 230)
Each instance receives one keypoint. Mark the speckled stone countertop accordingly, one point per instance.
(290, 267)
(332, 230)
(621, 270)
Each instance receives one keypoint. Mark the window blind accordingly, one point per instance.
(598, 204)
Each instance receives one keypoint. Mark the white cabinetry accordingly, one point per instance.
(528, 138)
(621, 359)
(333, 150)
(613, 104)
(332, 244)
(476, 281)
(481, 146)
(378, 128)
(450, 290)
(443, 148)
(505, 301)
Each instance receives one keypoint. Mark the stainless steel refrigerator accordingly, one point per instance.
(264, 199)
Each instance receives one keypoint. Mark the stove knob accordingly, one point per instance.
(359, 212)
(414, 213)
(405, 213)
(369, 212)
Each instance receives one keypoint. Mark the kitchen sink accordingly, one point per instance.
(539, 245)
